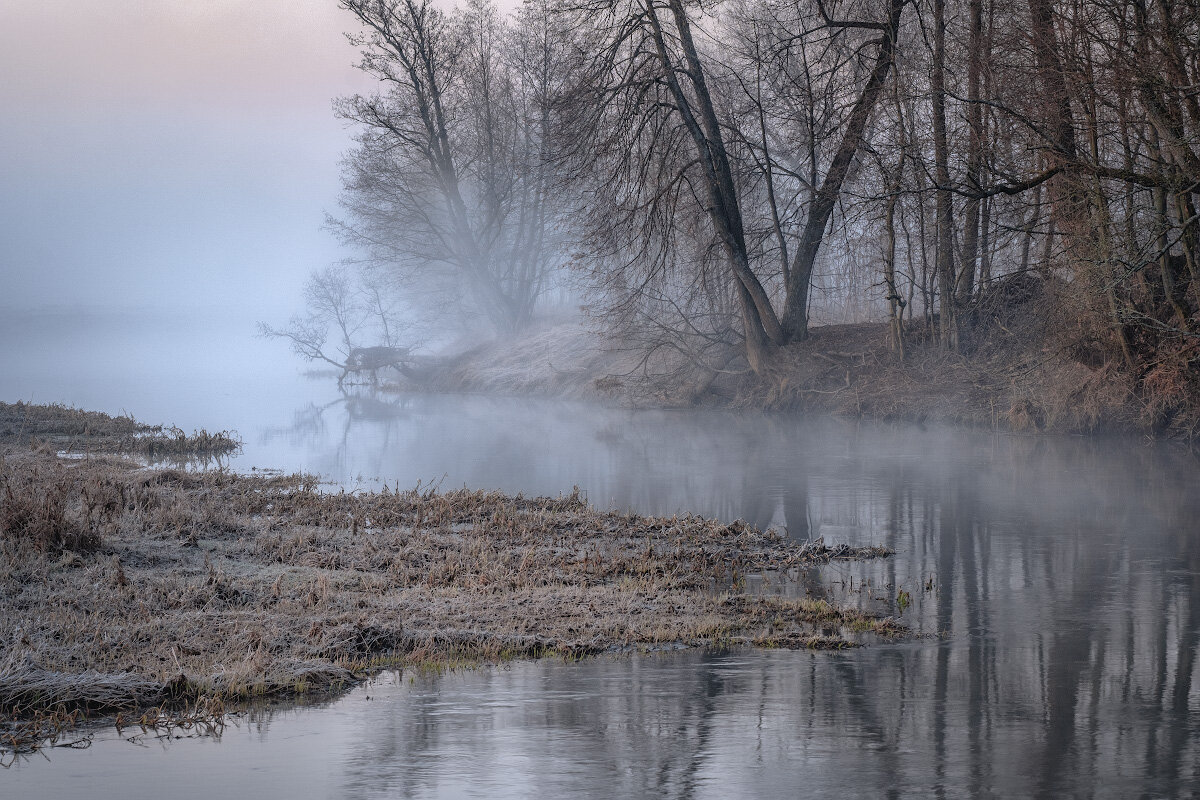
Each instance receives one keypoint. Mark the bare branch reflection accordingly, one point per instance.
(1058, 579)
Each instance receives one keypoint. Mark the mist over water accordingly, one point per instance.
(182, 367)
(1055, 580)
(165, 172)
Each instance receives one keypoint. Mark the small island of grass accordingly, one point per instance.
(154, 593)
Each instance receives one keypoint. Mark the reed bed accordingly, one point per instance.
(140, 589)
(66, 428)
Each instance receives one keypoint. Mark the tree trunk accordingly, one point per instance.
(947, 323)
(1065, 194)
(760, 323)
(975, 61)
(795, 312)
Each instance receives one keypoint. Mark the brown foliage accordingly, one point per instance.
(38, 507)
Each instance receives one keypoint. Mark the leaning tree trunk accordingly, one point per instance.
(759, 321)
(795, 312)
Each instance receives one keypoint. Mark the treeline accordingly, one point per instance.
(716, 176)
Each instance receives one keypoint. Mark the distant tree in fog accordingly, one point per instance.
(346, 311)
(449, 190)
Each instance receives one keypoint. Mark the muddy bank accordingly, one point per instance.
(124, 587)
(849, 370)
(1017, 368)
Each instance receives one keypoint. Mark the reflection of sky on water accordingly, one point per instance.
(1063, 602)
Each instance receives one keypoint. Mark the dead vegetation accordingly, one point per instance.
(127, 589)
(65, 428)
(1022, 365)
(35, 506)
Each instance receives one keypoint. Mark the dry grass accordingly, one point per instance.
(1024, 365)
(131, 588)
(67, 428)
(1010, 377)
(557, 357)
(36, 505)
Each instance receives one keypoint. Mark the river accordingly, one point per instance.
(1055, 582)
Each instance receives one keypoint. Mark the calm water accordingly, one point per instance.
(1059, 580)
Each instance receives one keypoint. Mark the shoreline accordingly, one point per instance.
(134, 590)
(1007, 381)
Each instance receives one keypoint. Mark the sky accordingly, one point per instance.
(169, 153)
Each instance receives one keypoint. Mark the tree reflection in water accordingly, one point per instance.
(1062, 574)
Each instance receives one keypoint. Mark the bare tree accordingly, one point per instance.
(448, 186)
(367, 325)
(725, 172)
(649, 122)
(947, 325)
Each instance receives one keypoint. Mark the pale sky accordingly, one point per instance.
(169, 152)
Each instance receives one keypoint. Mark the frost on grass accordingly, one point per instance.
(64, 427)
(123, 588)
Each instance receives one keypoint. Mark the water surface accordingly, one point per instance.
(1057, 580)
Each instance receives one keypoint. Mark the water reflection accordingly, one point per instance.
(1068, 609)
(1059, 575)
(1057, 580)
(819, 477)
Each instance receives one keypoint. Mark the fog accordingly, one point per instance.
(158, 154)
(166, 168)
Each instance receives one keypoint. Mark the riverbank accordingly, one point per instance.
(1016, 369)
(163, 593)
